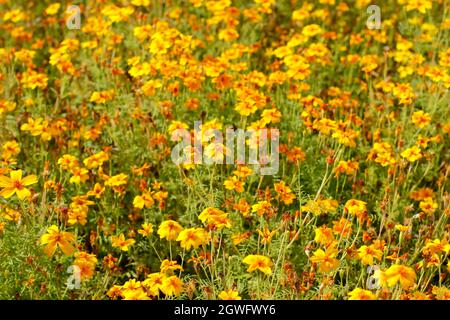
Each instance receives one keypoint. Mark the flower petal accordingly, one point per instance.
(5, 182)
(7, 192)
(16, 175)
(28, 180)
(23, 193)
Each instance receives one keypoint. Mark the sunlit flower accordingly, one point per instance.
(58, 239)
(258, 262)
(361, 294)
(15, 184)
(192, 238)
(229, 295)
(169, 230)
(121, 242)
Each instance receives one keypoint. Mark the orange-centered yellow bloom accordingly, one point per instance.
(258, 262)
(396, 273)
(326, 259)
(229, 295)
(412, 154)
(55, 238)
(172, 286)
(169, 230)
(147, 229)
(368, 253)
(192, 238)
(361, 294)
(121, 242)
(15, 184)
(234, 183)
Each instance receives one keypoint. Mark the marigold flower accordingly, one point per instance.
(368, 253)
(169, 230)
(172, 286)
(146, 229)
(258, 262)
(398, 274)
(361, 294)
(121, 242)
(412, 154)
(58, 239)
(326, 259)
(192, 238)
(233, 183)
(229, 295)
(15, 184)
(167, 265)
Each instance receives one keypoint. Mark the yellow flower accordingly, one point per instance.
(192, 238)
(167, 265)
(117, 180)
(97, 191)
(228, 34)
(52, 9)
(234, 183)
(32, 79)
(215, 218)
(421, 119)
(121, 242)
(326, 259)
(101, 97)
(266, 235)
(401, 228)
(368, 253)
(38, 127)
(428, 205)
(258, 262)
(412, 154)
(79, 175)
(441, 293)
(153, 283)
(147, 229)
(145, 200)
(149, 88)
(420, 5)
(262, 207)
(135, 295)
(398, 274)
(55, 238)
(361, 294)
(68, 161)
(15, 184)
(86, 262)
(323, 235)
(169, 230)
(172, 286)
(437, 246)
(355, 207)
(229, 295)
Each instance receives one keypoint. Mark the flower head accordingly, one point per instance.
(15, 184)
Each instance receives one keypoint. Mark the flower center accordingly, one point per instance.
(18, 185)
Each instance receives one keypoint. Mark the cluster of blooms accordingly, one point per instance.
(87, 123)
